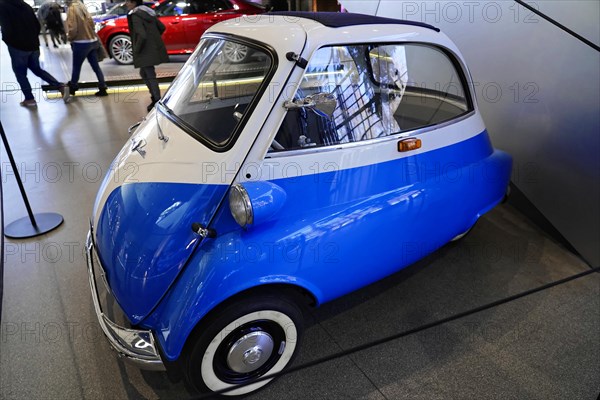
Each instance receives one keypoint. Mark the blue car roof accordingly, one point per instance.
(338, 20)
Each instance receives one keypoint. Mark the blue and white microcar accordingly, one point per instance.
(254, 190)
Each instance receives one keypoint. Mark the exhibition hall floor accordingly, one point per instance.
(542, 346)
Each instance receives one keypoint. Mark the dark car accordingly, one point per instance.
(185, 22)
(117, 10)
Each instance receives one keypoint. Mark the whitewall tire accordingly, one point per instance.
(244, 342)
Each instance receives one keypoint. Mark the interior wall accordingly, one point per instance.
(538, 89)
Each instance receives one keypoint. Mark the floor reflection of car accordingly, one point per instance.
(116, 11)
(185, 22)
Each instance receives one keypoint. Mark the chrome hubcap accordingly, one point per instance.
(235, 52)
(252, 356)
(250, 352)
(122, 51)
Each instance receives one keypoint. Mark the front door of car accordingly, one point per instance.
(365, 189)
(172, 14)
(185, 157)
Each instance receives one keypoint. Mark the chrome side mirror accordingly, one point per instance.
(323, 104)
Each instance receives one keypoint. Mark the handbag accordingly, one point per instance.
(100, 50)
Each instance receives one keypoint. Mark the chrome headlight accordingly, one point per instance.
(240, 206)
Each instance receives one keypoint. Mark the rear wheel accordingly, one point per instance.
(242, 342)
(121, 50)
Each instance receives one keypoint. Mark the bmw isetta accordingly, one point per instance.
(256, 189)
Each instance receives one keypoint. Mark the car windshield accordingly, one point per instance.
(214, 91)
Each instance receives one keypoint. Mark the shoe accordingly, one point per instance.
(101, 93)
(66, 93)
(150, 106)
(28, 103)
(55, 46)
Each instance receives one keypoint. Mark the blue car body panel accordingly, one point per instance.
(417, 204)
(144, 238)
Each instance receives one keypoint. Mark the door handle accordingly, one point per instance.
(174, 22)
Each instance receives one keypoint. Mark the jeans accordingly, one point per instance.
(81, 51)
(21, 61)
(148, 75)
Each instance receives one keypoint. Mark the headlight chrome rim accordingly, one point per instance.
(239, 198)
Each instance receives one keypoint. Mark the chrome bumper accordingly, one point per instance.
(135, 345)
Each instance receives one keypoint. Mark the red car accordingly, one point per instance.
(185, 22)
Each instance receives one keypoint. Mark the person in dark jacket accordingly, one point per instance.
(148, 47)
(20, 32)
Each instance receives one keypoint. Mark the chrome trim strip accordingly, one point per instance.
(389, 138)
(135, 345)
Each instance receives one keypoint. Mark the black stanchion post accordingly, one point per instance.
(35, 224)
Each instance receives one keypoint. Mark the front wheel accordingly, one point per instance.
(121, 50)
(242, 342)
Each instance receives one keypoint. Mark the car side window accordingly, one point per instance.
(206, 6)
(170, 8)
(218, 5)
(380, 90)
(423, 89)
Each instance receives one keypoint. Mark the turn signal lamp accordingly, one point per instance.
(409, 144)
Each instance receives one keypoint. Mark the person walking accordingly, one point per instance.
(42, 13)
(51, 21)
(54, 24)
(148, 47)
(20, 32)
(84, 43)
